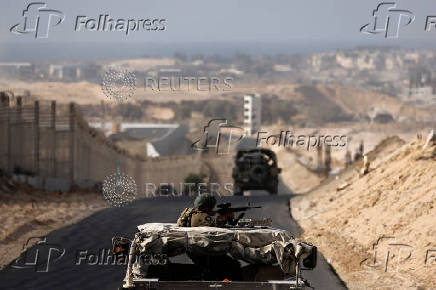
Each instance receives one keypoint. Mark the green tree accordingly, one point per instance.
(192, 181)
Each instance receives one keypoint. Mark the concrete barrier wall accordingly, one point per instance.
(55, 143)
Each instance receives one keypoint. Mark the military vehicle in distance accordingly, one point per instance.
(249, 255)
(255, 169)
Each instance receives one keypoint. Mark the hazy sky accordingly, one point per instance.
(333, 23)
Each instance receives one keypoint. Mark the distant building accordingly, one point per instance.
(419, 96)
(252, 113)
(231, 71)
(74, 72)
(421, 90)
(421, 93)
(27, 71)
(282, 68)
(23, 70)
(71, 73)
(91, 73)
(56, 71)
(170, 72)
(419, 78)
(158, 139)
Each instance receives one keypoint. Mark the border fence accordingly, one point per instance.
(54, 144)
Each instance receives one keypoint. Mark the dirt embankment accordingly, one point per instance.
(26, 212)
(378, 230)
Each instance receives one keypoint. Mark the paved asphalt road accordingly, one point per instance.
(95, 233)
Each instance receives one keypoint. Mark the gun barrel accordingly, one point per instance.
(228, 209)
(235, 209)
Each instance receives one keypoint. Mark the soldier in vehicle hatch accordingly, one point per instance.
(202, 214)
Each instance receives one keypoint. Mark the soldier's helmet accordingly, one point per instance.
(205, 201)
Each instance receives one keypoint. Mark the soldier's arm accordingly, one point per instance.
(180, 219)
(203, 220)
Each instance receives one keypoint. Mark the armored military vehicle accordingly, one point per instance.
(255, 169)
(249, 255)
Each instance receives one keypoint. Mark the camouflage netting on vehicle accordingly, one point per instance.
(253, 245)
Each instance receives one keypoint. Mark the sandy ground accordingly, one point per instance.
(351, 100)
(294, 175)
(84, 92)
(81, 92)
(378, 230)
(298, 177)
(26, 213)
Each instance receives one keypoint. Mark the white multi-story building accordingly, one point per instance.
(421, 95)
(252, 113)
